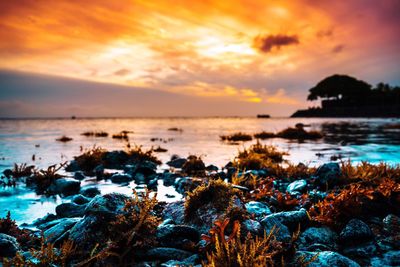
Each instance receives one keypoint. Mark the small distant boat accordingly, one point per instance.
(263, 116)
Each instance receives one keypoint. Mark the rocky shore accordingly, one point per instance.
(258, 210)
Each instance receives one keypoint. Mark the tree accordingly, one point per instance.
(339, 86)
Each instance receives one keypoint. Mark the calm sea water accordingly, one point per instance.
(365, 139)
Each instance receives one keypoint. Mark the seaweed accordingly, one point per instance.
(22, 170)
(43, 178)
(95, 134)
(264, 135)
(64, 139)
(137, 154)
(236, 137)
(159, 149)
(90, 159)
(194, 166)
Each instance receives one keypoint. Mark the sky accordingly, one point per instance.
(187, 58)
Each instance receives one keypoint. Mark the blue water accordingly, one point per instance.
(21, 139)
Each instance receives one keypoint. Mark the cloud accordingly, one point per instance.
(122, 72)
(338, 48)
(265, 43)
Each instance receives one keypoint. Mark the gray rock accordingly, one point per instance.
(259, 209)
(391, 258)
(89, 231)
(175, 235)
(174, 211)
(52, 234)
(355, 232)
(324, 259)
(321, 238)
(69, 210)
(47, 218)
(169, 178)
(146, 168)
(280, 231)
(291, 219)
(328, 173)
(8, 246)
(361, 251)
(66, 186)
(108, 205)
(166, 254)
(119, 178)
(177, 163)
(391, 224)
(90, 192)
(297, 186)
(253, 227)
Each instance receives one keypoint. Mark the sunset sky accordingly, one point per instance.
(168, 58)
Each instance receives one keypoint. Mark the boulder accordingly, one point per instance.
(355, 232)
(391, 258)
(69, 210)
(253, 227)
(291, 219)
(174, 211)
(280, 231)
(361, 252)
(298, 186)
(328, 174)
(323, 259)
(108, 205)
(8, 246)
(169, 178)
(79, 175)
(80, 199)
(115, 159)
(259, 209)
(119, 178)
(90, 192)
(176, 236)
(54, 233)
(65, 186)
(177, 163)
(391, 224)
(318, 238)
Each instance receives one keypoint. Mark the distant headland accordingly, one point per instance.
(346, 96)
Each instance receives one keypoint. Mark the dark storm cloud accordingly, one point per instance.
(265, 43)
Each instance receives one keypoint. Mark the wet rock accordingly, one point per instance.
(55, 232)
(324, 259)
(47, 218)
(108, 205)
(8, 173)
(115, 159)
(356, 231)
(8, 245)
(90, 192)
(318, 239)
(280, 231)
(146, 168)
(119, 178)
(259, 209)
(69, 210)
(80, 199)
(188, 262)
(187, 184)
(253, 227)
(391, 258)
(291, 218)
(73, 166)
(89, 231)
(79, 175)
(169, 178)
(152, 184)
(99, 172)
(65, 186)
(177, 163)
(176, 235)
(299, 186)
(328, 173)
(166, 254)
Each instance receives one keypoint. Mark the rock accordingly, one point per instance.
(69, 210)
(188, 262)
(65, 186)
(212, 168)
(328, 173)
(47, 218)
(108, 205)
(177, 163)
(166, 254)
(297, 186)
(115, 159)
(99, 171)
(291, 219)
(73, 166)
(52, 234)
(79, 175)
(80, 199)
(153, 184)
(169, 178)
(8, 173)
(90, 192)
(88, 232)
(119, 178)
(391, 258)
(259, 209)
(175, 235)
(281, 232)
(8, 245)
(361, 252)
(355, 232)
(391, 224)
(146, 168)
(187, 184)
(318, 238)
(324, 259)
(174, 211)
(253, 227)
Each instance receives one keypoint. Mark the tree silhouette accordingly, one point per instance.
(339, 86)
